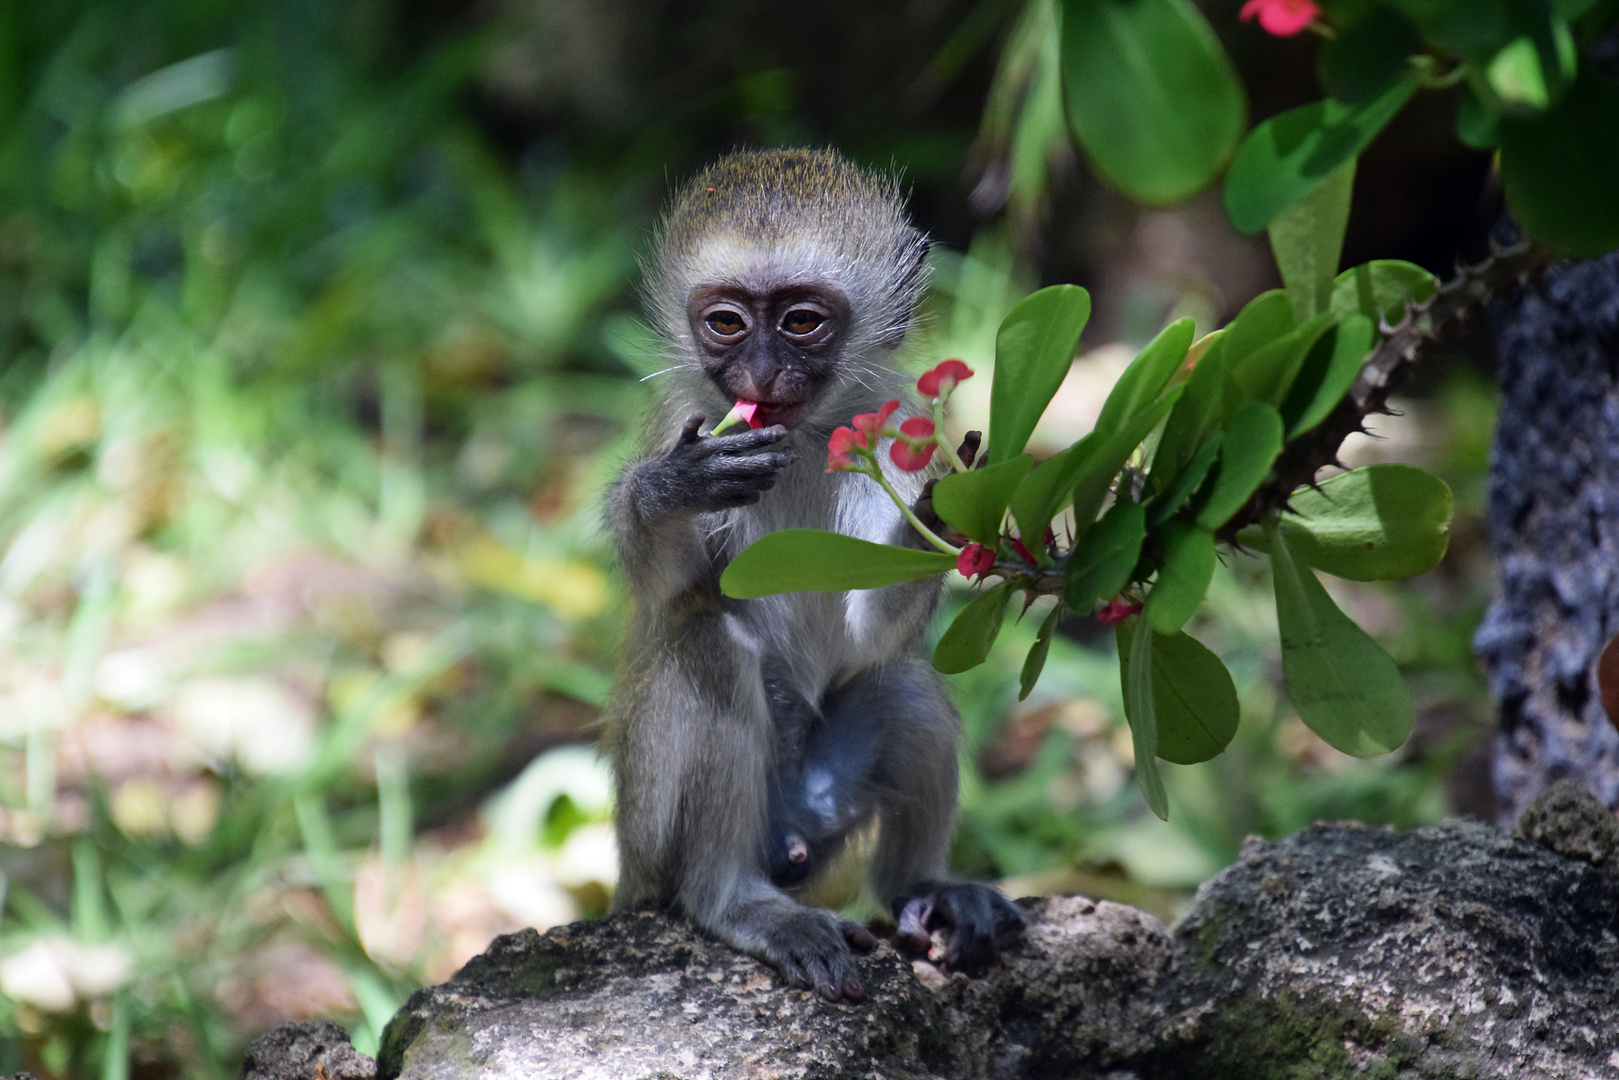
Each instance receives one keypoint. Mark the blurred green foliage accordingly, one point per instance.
(307, 394)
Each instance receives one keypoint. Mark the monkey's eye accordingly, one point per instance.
(725, 323)
(802, 322)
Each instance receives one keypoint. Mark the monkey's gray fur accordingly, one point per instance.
(787, 277)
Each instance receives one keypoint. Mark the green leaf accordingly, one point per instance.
(1252, 442)
(1532, 70)
(1477, 122)
(1457, 27)
(1033, 351)
(1140, 710)
(968, 639)
(1561, 169)
(1151, 95)
(1102, 560)
(1261, 321)
(1367, 56)
(1035, 662)
(1194, 700)
(1289, 156)
(1083, 473)
(1307, 239)
(814, 560)
(1380, 290)
(1147, 375)
(1344, 686)
(1329, 370)
(1373, 524)
(1210, 394)
(975, 502)
(1184, 578)
(1267, 374)
(1163, 505)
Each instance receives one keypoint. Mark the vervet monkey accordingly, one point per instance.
(784, 278)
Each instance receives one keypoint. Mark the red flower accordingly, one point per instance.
(1116, 611)
(1283, 18)
(1023, 552)
(872, 425)
(843, 443)
(943, 378)
(746, 410)
(975, 560)
(915, 445)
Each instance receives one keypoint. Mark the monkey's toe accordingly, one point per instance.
(858, 936)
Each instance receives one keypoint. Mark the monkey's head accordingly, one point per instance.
(787, 276)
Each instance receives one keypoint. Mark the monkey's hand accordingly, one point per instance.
(980, 922)
(811, 947)
(700, 475)
(923, 507)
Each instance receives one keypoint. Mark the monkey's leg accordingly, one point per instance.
(694, 756)
(916, 784)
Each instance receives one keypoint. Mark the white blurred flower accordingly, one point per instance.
(52, 974)
(254, 719)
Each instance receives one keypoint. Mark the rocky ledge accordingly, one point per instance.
(1451, 951)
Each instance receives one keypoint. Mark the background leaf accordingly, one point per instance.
(967, 640)
(1344, 686)
(1373, 524)
(1560, 175)
(1151, 95)
(1367, 56)
(1289, 156)
(1034, 349)
(814, 560)
(975, 502)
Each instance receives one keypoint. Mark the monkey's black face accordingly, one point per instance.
(777, 348)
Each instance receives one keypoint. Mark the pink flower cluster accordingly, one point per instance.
(854, 448)
(1283, 18)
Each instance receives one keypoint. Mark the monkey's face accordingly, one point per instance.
(778, 347)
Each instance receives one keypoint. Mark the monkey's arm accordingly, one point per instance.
(654, 505)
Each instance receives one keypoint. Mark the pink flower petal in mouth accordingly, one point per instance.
(745, 410)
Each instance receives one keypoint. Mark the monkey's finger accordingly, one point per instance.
(745, 441)
(968, 450)
(688, 434)
(767, 464)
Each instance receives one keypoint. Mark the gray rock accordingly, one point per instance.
(1453, 951)
(314, 1050)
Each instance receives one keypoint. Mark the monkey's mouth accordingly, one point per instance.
(769, 413)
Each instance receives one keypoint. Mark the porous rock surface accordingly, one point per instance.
(1451, 951)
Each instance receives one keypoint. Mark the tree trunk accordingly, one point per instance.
(1554, 530)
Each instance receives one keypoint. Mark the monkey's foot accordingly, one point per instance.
(811, 949)
(979, 920)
